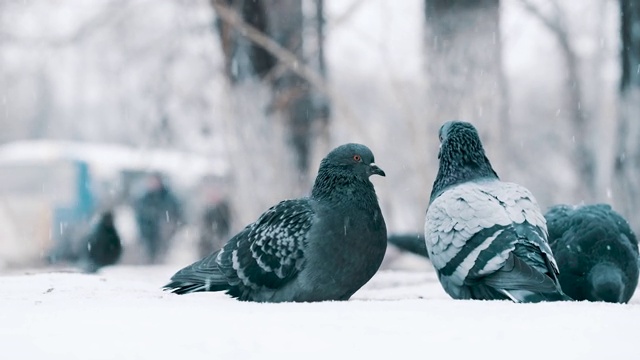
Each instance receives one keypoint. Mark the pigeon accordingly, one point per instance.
(410, 242)
(486, 239)
(596, 250)
(322, 247)
(102, 246)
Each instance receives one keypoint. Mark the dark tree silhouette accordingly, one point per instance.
(627, 164)
(463, 56)
(242, 57)
(583, 155)
(293, 95)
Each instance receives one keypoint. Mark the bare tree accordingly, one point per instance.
(464, 65)
(244, 58)
(581, 122)
(627, 162)
(248, 54)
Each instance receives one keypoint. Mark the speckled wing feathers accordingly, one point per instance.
(273, 250)
(471, 230)
(264, 255)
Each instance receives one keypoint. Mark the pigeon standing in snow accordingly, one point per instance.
(596, 250)
(102, 246)
(487, 239)
(324, 247)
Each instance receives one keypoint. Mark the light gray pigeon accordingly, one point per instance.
(487, 239)
(324, 247)
(596, 250)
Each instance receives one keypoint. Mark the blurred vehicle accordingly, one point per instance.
(42, 203)
(50, 189)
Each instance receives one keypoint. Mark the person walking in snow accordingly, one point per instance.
(158, 216)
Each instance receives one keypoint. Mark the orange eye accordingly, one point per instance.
(357, 157)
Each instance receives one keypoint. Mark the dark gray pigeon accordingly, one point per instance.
(102, 246)
(324, 247)
(487, 239)
(596, 250)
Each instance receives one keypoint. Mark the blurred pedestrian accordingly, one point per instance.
(158, 216)
(215, 222)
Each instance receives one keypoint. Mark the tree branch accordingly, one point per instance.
(284, 56)
(554, 25)
(113, 11)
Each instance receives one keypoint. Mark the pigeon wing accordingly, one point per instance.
(562, 219)
(265, 254)
(620, 222)
(272, 250)
(558, 221)
(471, 229)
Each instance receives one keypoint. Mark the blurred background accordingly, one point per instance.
(214, 110)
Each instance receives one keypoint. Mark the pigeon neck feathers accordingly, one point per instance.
(335, 184)
(462, 158)
(344, 176)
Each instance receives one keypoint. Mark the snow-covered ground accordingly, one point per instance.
(121, 313)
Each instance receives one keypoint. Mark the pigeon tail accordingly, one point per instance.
(526, 296)
(186, 287)
(521, 282)
(203, 275)
(413, 243)
(190, 284)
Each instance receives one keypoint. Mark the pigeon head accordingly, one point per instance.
(347, 164)
(353, 159)
(459, 138)
(462, 157)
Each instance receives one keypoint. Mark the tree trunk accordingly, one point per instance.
(244, 59)
(292, 96)
(581, 125)
(464, 66)
(627, 162)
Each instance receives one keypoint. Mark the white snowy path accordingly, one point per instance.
(121, 313)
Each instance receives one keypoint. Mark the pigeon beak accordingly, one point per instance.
(375, 170)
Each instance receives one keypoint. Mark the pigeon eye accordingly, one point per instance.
(357, 157)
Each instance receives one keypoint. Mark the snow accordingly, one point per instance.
(121, 313)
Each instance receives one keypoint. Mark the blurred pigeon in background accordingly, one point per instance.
(596, 250)
(102, 246)
(487, 239)
(324, 247)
